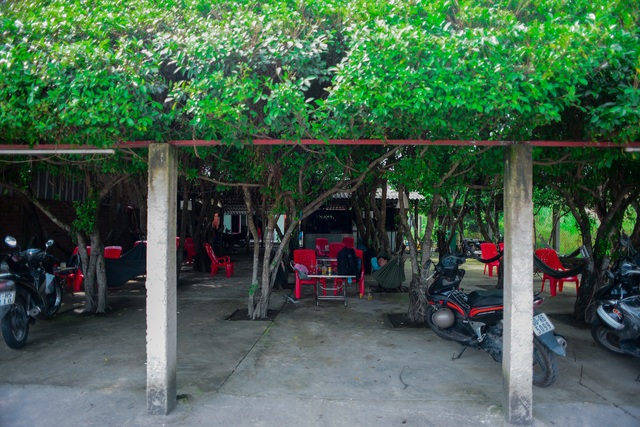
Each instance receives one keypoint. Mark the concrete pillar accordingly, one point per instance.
(161, 279)
(518, 285)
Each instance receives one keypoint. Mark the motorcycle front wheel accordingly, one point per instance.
(607, 339)
(15, 324)
(437, 330)
(545, 369)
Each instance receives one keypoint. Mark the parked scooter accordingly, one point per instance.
(230, 239)
(37, 292)
(475, 320)
(617, 324)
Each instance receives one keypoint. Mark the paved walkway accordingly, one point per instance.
(326, 365)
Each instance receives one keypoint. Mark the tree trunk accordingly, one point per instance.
(102, 281)
(262, 306)
(253, 314)
(360, 212)
(380, 216)
(419, 282)
(593, 278)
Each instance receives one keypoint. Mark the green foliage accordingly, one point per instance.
(473, 70)
(86, 214)
(97, 71)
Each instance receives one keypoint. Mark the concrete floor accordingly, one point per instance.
(326, 365)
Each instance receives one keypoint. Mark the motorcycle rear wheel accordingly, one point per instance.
(545, 368)
(607, 339)
(54, 300)
(15, 324)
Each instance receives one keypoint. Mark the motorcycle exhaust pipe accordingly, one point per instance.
(35, 312)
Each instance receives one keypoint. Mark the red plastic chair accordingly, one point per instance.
(489, 251)
(349, 242)
(76, 250)
(190, 247)
(75, 279)
(112, 252)
(322, 247)
(306, 257)
(219, 262)
(551, 259)
(334, 248)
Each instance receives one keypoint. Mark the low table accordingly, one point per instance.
(339, 289)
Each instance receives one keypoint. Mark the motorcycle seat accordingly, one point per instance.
(482, 298)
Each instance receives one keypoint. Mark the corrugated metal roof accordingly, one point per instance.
(340, 201)
(235, 209)
(391, 195)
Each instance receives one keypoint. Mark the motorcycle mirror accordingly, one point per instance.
(49, 243)
(11, 241)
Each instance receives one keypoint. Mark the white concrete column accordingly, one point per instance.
(161, 279)
(518, 285)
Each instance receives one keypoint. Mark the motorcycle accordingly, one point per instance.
(616, 326)
(230, 239)
(475, 320)
(37, 291)
(9, 305)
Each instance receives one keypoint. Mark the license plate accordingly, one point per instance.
(542, 324)
(7, 298)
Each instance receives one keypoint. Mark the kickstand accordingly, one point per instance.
(459, 355)
(291, 300)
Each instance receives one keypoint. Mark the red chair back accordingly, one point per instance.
(322, 246)
(306, 257)
(488, 250)
(334, 248)
(76, 250)
(349, 242)
(550, 257)
(209, 251)
(112, 252)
